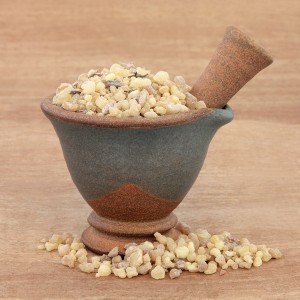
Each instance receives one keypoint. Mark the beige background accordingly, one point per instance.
(249, 184)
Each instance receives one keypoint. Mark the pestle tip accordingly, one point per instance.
(237, 59)
(245, 39)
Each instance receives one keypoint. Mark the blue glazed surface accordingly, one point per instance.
(163, 161)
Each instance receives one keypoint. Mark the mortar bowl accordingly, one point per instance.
(133, 172)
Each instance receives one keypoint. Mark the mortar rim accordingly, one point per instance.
(57, 112)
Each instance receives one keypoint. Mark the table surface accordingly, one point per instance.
(249, 184)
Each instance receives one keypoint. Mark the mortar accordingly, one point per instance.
(134, 172)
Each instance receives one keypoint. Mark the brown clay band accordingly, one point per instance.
(131, 203)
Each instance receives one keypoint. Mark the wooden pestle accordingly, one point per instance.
(237, 59)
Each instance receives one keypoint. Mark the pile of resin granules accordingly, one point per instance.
(197, 251)
(125, 90)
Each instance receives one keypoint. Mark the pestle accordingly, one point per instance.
(237, 59)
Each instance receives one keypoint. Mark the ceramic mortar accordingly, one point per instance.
(135, 172)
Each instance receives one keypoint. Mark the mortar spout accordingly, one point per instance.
(221, 116)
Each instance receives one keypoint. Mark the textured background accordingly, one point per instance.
(249, 184)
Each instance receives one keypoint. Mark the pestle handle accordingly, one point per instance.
(237, 59)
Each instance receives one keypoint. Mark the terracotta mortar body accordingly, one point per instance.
(134, 172)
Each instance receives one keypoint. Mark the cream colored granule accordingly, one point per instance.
(63, 249)
(146, 258)
(131, 249)
(113, 252)
(182, 252)
(160, 238)
(82, 259)
(86, 267)
(146, 246)
(167, 262)
(275, 253)
(104, 270)
(211, 269)
(81, 252)
(266, 256)
(125, 90)
(158, 261)
(95, 260)
(76, 246)
(144, 268)
(191, 267)
(50, 246)
(136, 258)
(257, 261)
(158, 272)
(116, 259)
(203, 234)
(194, 238)
(131, 272)
(171, 244)
(220, 260)
(69, 260)
(121, 273)
(56, 239)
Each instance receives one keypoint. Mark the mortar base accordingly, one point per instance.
(105, 234)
